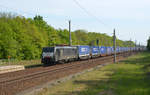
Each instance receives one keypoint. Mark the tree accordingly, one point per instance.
(23, 38)
(82, 37)
(40, 22)
(148, 44)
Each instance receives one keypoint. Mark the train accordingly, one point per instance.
(58, 54)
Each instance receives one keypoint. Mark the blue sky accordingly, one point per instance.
(131, 18)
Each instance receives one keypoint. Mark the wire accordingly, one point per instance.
(89, 13)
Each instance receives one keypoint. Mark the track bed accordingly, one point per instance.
(15, 82)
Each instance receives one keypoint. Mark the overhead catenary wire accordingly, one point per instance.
(76, 2)
(90, 14)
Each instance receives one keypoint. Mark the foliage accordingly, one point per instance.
(148, 44)
(23, 38)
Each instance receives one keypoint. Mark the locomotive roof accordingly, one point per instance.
(65, 46)
(61, 47)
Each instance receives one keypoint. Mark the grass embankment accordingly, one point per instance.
(129, 77)
(26, 63)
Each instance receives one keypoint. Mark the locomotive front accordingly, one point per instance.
(48, 55)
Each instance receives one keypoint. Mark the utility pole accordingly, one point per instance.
(130, 45)
(114, 45)
(139, 47)
(135, 45)
(70, 41)
(97, 42)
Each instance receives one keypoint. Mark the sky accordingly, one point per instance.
(130, 18)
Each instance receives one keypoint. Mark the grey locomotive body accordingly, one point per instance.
(51, 55)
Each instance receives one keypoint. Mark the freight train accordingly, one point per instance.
(57, 54)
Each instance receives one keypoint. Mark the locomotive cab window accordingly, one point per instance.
(48, 49)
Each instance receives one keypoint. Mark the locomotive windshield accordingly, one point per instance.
(48, 49)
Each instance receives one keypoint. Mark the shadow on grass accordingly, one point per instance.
(143, 60)
(124, 81)
(125, 84)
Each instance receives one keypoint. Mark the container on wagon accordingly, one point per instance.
(95, 51)
(103, 51)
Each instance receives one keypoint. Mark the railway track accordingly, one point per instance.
(14, 84)
(7, 81)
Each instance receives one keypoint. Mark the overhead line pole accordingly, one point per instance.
(139, 46)
(130, 45)
(70, 41)
(135, 44)
(114, 45)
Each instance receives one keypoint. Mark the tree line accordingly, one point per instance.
(148, 44)
(23, 38)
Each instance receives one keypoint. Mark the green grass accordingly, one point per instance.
(26, 63)
(129, 77)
